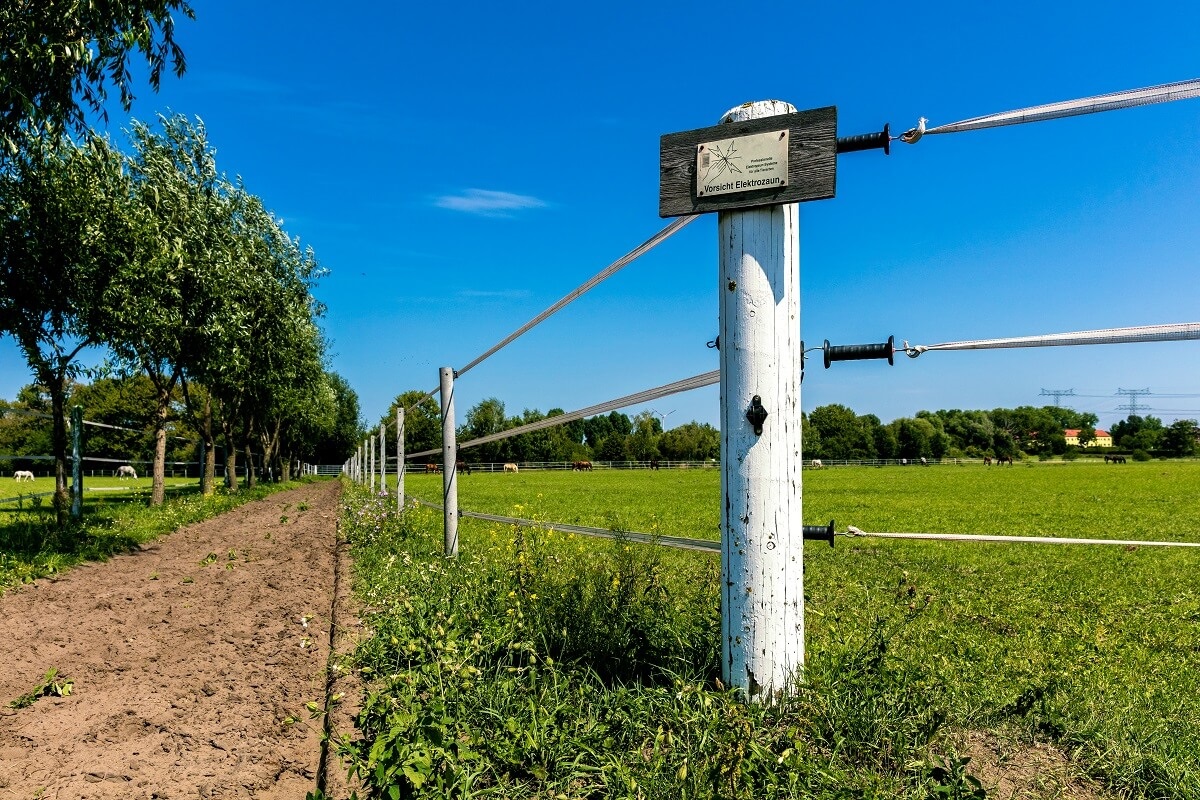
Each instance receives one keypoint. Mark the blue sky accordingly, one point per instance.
(458, 167)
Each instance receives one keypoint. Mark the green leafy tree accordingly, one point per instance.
(1138, 433)
(614, 447)
(422, 422)
(1087, 435)
(336, 444)
(842, 434)
(643, 441)
(25, 426)
(484, 419)
(1179, 439)
(692, 441)
(61, 57)
(66, 229)
(155, 302)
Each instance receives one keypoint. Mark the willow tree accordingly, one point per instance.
(157, 303)
(60, 58)
(262, 351)
(67, 227)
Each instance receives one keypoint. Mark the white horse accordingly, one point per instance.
(510, 467)
(126, 471)
(816, 463)
(23, 475)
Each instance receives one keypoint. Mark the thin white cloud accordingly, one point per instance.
(488, 203)
(509, 294)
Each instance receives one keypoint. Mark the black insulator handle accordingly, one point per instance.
(867, 141)
(821, 533)
(859, 352)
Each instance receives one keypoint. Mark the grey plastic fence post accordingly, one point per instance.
(449, 460)
(399, 459)
(762, 608)
(383, 459)
(77, 462)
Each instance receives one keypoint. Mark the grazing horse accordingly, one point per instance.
(510, 467)
(433, 468)
(126, 471)
(816, 464)
(23, 475)
(987, 461)
(654, 463)
(1004, 459)
(581, 466)
(462, 466)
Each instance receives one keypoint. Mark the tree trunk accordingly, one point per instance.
(56, 386)
(208, 476)
(251, 477)
(158, 486)
(231, 480)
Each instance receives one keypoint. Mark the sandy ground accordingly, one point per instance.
(192, 661)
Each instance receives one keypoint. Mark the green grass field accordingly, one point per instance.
(1155, 500)
(1093, 648)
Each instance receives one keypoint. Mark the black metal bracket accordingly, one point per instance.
(867, 141)
(820, 533)
(757, 414)
(860, 352)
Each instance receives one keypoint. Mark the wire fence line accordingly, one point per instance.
(681, 542)
(665, 233)
(708, 545)
(687, 384)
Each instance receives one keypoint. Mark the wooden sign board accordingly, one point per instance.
(787, 158)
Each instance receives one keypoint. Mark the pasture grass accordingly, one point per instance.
(548, 639)
(31, 546)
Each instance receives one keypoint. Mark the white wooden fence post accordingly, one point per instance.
(762, 608)
(399, 459)
(449, 459)
(383, 459)
(371, 461)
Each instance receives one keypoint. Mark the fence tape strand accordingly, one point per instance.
(1129, 98)
(687, 384)
(1174, 332)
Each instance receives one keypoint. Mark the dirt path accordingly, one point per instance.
(191, 660)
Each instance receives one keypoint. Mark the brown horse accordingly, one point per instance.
(987, 461)
(433, 467)
(1004, 459)
(462, 466)
(581, 466)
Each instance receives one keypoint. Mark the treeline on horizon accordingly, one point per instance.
(833, 432)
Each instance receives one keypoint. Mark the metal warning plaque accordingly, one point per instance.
(742, 164)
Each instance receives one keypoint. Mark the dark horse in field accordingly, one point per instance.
(1114, 459)
(1004, 459)
(462, 466)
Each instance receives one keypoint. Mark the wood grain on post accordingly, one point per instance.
(811, 167)
(762, 609)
